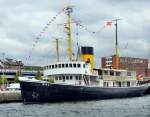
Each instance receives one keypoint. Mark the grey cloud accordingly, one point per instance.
(21, 21)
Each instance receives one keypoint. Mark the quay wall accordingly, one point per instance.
(10, 96)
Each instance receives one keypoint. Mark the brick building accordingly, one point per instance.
(140, 65)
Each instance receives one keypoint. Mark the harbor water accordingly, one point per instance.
(129, 107)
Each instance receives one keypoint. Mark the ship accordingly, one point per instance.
(77, 79)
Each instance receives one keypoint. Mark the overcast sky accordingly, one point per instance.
(21, 22)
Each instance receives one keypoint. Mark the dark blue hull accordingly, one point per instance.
(148, 90)
(41, 92)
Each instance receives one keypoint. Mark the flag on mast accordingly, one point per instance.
(108, 24)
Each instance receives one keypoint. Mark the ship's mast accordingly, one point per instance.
(78, 56)
(57, 49)
(117, 53)
(69, 11)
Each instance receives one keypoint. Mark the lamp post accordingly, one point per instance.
(19, 67)
(3, 54)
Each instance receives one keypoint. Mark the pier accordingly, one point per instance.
(10, 96)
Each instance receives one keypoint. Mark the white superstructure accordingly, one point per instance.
(74, 72)
(80, 73)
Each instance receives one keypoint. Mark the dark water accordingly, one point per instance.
(131, 107)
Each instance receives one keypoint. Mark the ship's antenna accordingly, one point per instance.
(57, 49)
(68, 27)
(117, 53)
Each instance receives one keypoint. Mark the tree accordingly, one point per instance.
(16, 78)
(38, 75)
(51, 80)
(3, 81)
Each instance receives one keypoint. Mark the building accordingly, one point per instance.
(10, 67)
(8, 63)
(140, 65)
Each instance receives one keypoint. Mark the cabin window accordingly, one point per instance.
(107, 84)
(52, 66)
(119, 84)
(112, 73)
(129, 73)
(70, 65)
(128, 84)
(79, 77)
(59, 77)
(63, 65)
(49, 66)
(74, 65)
(76, 77)
(104, 84)
(67, 77)
(105, 72)
(66, 65)
(70, 77)
(99, 72)
(83, 65)
(56, 78)
(118, 74)
(55, 65)
(45, 68)
(79, 65)
(63, 78)
(113, 84)
(59, 65)
(133, 83)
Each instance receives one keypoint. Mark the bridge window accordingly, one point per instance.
(52, 66)
(83, 65)
(66, 65)
(74, 65)
(49, 66)
(59, 77)
(59, 65)
(79, 65)
(70, 65)
(55, 65)
(63, 65)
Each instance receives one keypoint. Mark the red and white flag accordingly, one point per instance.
(140, 76)
(108, 24)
